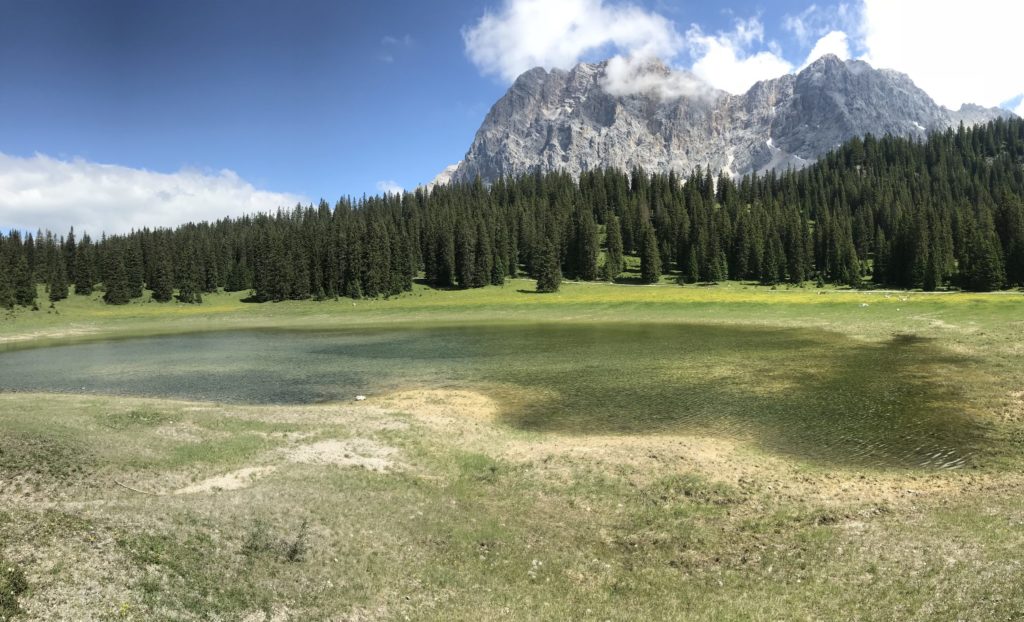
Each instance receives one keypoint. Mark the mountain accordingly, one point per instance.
(585, 118)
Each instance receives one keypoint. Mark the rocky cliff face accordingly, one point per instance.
(568, 120)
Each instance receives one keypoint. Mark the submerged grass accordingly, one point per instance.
(813, 394)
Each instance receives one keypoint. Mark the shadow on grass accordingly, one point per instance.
(816, 397)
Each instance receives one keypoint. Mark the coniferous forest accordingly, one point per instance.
(946, 213)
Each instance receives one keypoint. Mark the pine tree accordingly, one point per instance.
(163, 279)
(6, 278)
(24, 286)
(116, 280)
(190, 277)
(985, 270)
(691, 272)
(238, 276)
(772, 265)
(133, 268)
(57, 281)
(650, 257)
(548, 271)
(70, 255)
(85, 271)
(613, 256)
(483, 258)
(586, 245)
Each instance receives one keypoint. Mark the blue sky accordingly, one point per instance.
(309, 99)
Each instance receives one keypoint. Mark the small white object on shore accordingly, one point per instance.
(360, 398)
(863, 305)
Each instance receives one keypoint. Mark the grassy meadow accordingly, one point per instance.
(427, 503)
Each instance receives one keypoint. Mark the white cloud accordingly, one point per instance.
(1020, 108)
(389, 187)
(391, 44)
(629, 75)
(43, 192)
(403, 41)
(543, 33)
(798, 24)
(954, 51)
(817, 21)
(835, 42)
(724, 60)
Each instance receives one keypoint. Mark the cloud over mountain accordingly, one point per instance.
(538, 33)
(958, 54)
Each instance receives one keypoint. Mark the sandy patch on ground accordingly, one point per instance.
(351, 452)
(1014, 411)
(185, 432)
(645, 458)
(278, 614)
(234, 480)
(470, 420)
(438, 403)
(941, 324)
(47, 334)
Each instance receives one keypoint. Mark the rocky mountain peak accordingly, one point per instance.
(628, 113)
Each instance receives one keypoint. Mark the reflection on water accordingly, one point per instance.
(809, 394)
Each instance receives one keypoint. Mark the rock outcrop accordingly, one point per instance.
(571, 121)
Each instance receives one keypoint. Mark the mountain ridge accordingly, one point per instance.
(612, 114)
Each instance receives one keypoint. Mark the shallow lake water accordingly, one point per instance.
(809, 394)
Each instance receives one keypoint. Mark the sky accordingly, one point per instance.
(118, 114)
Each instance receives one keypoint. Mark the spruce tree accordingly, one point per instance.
(483, 258)
(985, 271)
(548, 270)
(6, 279)
(613, 242)
(85, 271)
(238, 276)
(70, 255)
(57, 282)
(190, 279)
(163, 280)
(134, 280)
(24, 286)
(586, 245)
(116, 282)
(650, 258)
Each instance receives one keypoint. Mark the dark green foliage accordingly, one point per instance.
(584, 247)
(650, 259)
(57, 278)
(12, 585)
(85, 267)
(6, 284)
(189, 277)
(115, 280)
(133, 268)
(947, 212)
(24, 284)
(547, 270)
(162, 281)
(613, 242)
(483, 257)
(983, 268)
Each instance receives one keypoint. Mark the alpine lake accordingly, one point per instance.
(809, 394)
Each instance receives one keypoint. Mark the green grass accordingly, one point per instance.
(486, 520)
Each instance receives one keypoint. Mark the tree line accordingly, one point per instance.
(896, 212)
